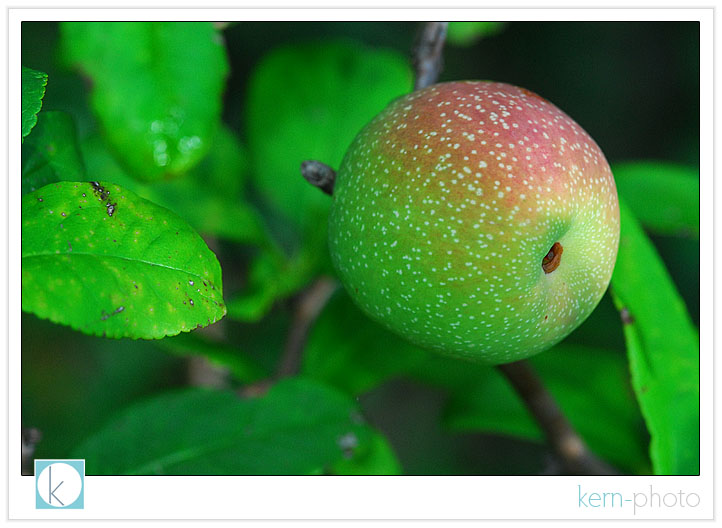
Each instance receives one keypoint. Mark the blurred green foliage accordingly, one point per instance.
(156, 88)
(663, 196)
(298, 427)
(210, 196)
(33, 90)
(375, 354)
(213, 125)
(468, 33)
(310, 100)
(592, 388)
(51, 153)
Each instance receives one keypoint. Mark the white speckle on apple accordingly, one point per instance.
(465, 268)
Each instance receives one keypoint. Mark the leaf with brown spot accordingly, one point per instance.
(120, 275)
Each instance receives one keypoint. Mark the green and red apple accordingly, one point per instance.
(476, 219)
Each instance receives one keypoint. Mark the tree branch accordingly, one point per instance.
(566, 444)
(308, 307)
(428, 57)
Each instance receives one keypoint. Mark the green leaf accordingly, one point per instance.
(480, 399)
(33, 90)
(106, 262)
(241, 367)
(663, 350)
(272, 276)
(113, 373)
(592, 388)
(299, 427)
(348, 350)
(51, 153)
(225, 168)
(209, 196)
(663, 196)
(156, 88)
(309, 101)
(375, 458)
(210, 212)
(468, 33)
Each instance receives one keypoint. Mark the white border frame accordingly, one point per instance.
(363, 497)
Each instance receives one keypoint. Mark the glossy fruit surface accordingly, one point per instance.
(476, 219)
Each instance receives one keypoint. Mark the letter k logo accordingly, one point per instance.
(51, 491)
(59, 484)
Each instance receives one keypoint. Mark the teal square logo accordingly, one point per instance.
(59, 484)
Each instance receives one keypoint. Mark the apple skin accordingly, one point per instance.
(445, 211)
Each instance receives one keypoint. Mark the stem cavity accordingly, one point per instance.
(553, 258)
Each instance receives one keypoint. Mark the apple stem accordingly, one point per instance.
(428, 57)
(428, 60)
(319, 175)
(564, 441)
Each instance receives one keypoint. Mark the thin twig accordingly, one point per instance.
(566, 444)
(428, 63)
(428, 58)
(200, 371)
(308, 307)
(203, 373)
(319, 175)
